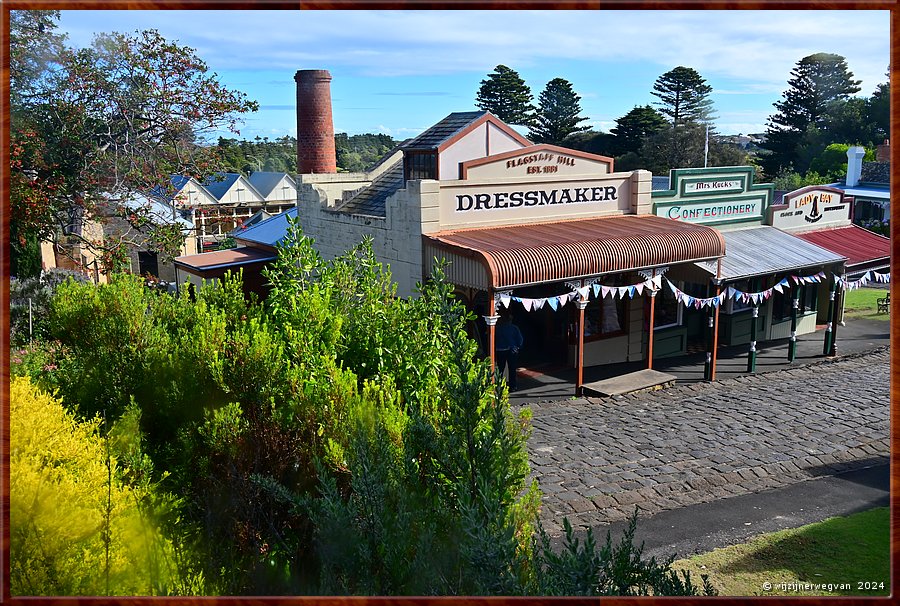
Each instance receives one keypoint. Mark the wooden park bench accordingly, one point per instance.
(884, 304)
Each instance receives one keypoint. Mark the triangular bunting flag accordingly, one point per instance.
(553, 302)
(607, 291)
(639, 288)
(563, 299)
(527, 303)
(596, 290)
(504, 300)
(537, 304)
(584, 292)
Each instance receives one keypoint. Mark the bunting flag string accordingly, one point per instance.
(599, 291)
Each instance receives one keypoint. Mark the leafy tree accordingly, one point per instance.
(634, 127)
(592, 141)
(558, 112)
(831, 164)
(684, 99)
(817, 82)
(505, 94)
(789, 180)
(92, 127)
(879, 112)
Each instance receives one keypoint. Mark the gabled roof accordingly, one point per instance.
(254, 219)
(447, 130)
(372, 201)
(219, 184)
(161, 213)
(265, 182)
(267, 233)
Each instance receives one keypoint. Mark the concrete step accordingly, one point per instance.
(641, 380)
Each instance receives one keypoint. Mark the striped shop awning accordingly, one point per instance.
(522, 255)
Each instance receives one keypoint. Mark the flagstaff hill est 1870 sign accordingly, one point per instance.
(811, 207)
(716, 196)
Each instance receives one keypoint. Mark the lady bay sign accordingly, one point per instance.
(812, 206)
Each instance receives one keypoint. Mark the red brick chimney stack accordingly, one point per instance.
(315, 128)
(883, 152)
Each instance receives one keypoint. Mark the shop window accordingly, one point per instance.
(783, 303)
(736, 305)
(421, 166)
(667, 311)
(606, 317)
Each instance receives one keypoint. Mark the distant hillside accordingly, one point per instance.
(354, 153)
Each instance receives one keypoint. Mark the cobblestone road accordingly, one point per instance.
(595, 460)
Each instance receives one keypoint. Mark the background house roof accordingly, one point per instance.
(265, 182)
(267, 233)
(433, 137)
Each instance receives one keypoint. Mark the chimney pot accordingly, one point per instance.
(315, 127)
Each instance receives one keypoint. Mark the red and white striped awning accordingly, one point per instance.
(521, 255)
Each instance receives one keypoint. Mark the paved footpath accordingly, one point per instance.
(596, 459)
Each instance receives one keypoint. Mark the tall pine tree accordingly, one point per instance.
(557, 114)
(817, 83)
(684, 99)
(505, 94)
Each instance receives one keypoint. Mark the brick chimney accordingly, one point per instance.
(315, 128)
(883, 152)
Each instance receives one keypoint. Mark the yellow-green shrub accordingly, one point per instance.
(75, 527)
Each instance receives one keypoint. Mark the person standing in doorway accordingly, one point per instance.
(508, 343)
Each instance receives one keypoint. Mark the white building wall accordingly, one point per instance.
(486, 140)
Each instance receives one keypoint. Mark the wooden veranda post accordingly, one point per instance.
(795, 306)
(491, 321)
(652, 313)
(715, 335)
(829, 334)
(579, 377)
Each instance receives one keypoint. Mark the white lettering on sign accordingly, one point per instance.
(703, 186)
(535, 197)
(700, 213)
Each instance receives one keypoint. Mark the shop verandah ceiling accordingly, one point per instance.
(521, 255)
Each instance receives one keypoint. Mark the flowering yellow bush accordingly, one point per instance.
(76, 528)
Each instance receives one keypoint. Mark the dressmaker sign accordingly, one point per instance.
(813, 206)
(487, 202)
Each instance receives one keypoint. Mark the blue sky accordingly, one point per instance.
(398, 72)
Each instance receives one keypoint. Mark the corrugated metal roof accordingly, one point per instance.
(763, 250)
(857, 244)
(269, 232)
(232, 257)
(372, 200)
(864, 190)
(443, 130)
(553, 252)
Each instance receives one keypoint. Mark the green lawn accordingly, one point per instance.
(861, 303)
(847, 553)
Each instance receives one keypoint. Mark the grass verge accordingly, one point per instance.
(861, 303)
(835, 557)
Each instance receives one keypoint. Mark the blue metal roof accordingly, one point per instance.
(219, 183)
(269, 232)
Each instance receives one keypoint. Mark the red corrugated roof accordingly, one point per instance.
(549, 252)
(857, 244)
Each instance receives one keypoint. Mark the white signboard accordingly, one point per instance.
(490, 203)
(535, 161)
(711, 211)
(696, 187)
(810, 208)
